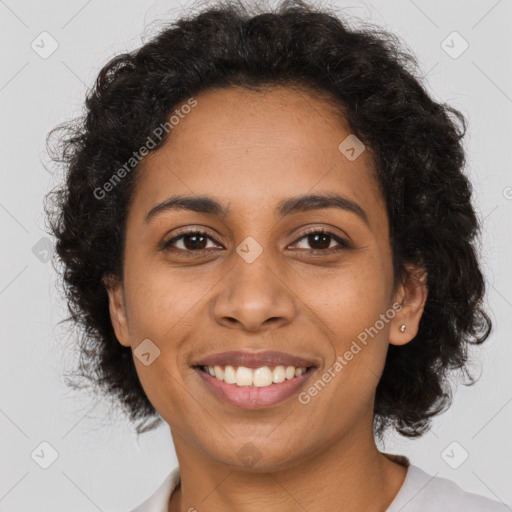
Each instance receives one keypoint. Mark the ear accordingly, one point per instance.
(117, 308)
(411, 295)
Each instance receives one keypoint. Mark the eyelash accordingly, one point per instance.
(167, 246)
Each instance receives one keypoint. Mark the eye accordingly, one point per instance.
(320, 241)
(189, 241)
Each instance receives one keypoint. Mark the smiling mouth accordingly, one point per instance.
(264, 376)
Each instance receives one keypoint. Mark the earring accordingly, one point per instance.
(402, 327)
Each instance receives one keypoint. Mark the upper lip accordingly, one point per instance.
(255, 359)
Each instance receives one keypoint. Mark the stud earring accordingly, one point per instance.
(402, 327)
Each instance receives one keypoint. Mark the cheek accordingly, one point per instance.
(349, 300)
(162, 306)
(160, 300)
(352, 304)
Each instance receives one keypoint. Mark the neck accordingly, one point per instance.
(350, 474)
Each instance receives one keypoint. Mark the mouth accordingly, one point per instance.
(264, 376)
(254, 380)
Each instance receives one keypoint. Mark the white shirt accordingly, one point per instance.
(420, 492)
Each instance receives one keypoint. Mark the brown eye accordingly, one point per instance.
(320, 240)
(189, 241)
(195, 242)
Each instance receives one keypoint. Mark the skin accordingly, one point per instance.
(250, 150)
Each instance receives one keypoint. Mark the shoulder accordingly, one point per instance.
(422, 492)
(159, 500)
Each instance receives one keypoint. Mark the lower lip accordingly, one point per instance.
(252, 397)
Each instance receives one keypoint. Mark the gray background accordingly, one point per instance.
(101, 464)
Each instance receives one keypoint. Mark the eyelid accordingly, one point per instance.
(342, 242)
(191, 230)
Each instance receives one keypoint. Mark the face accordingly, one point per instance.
(261, 270)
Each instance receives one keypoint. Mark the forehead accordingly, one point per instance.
(251, 148)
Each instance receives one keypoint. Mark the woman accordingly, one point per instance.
(270, 242)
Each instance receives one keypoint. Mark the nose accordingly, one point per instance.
(254, 297)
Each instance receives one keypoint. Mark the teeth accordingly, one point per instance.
(259, 377)
(262, 377)
(290, 372)
(229, 375)
(244, 376)
(218, 372)
(279, 374)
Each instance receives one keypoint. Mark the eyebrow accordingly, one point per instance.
(305, 203)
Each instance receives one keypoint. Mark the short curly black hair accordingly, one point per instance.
(415, 144)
